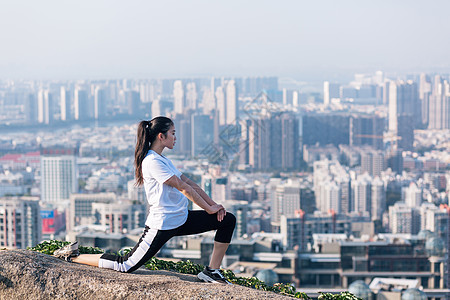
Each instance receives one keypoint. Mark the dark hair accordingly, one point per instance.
(147, 132)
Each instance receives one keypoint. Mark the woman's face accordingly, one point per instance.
(169, 140)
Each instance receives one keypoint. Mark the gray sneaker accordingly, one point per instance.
(212, 275)
(67, 252)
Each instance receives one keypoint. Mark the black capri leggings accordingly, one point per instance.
(152, 240)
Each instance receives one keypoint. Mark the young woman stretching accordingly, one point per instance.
(167, 192)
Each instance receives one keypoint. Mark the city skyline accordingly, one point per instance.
(305, 41)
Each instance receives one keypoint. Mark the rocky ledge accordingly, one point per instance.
(31, 275)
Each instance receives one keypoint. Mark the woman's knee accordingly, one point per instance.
(230, 220)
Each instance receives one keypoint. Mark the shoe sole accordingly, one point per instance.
(202, 276)
(206, 278)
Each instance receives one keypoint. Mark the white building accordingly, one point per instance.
(231, 103)
(378, 199)
(45, 107)
(58, 177)
(119, 217)
(404, 219)
(20, 222)
(413, 195)
(178, 97)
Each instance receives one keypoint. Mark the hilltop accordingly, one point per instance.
(31, 275)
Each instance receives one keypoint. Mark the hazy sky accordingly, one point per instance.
(61, 39)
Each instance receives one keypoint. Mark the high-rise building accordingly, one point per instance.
(99, 103)
(221, 105)
(326, 129)
(45, 107)
(119, 218)
(289, 142)
(273, 142)
(372, 162)
(31, 111)
(133, 103)
(405, 132)
(404, 219)
(65, 104)
(80, 212)
(424, 96)
(179, 102)
(362, 194)
(413, 195)
(58, 177)
(81, 104)
(202, 129)
(20, 222)
(367, 130)
(378, 199)
(330, 91)
(231, 103)
(330, 197)
(191, 96)
(439, 105)
(286, 199)
(184, 133)
(403, 102)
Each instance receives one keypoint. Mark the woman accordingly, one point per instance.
(167, 192)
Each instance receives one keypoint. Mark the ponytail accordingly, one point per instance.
(147, 132)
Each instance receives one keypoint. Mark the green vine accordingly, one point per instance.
(189, 267)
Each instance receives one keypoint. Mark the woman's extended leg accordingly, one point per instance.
(149, 244)
(87, 259)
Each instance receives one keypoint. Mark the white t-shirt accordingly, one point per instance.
(168, 206)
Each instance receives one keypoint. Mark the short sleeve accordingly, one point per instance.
(177, 172)
(160, 171)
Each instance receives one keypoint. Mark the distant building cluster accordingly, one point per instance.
(339, 188)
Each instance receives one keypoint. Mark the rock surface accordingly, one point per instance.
(31, 275)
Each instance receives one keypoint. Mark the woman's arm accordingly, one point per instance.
(192, 195)
(199, 190)
(221, 213)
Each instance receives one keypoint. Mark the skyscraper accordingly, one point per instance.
(361, 194)
(178, 97)
(403, 100)
(378, 199)
(31, 111)
(231, 103)
(330, 91)
(413, 195)
(45, 107)
(20, 222)
(424, 96)
(221, 105)
(404, 219)
(58, 177)
(99, 103)
(202, 128)
(367, 130)
(191, 95)
(326, 129)
(65, 104)
(81, 105)
(133, 103)
(439, 105)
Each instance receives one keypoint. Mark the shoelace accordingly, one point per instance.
(219, 273)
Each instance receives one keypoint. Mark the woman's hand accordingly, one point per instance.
(219, 209)
(221, 214)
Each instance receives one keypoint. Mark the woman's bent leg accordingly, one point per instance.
(218, 253)
(149, 244)
(200, 221)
